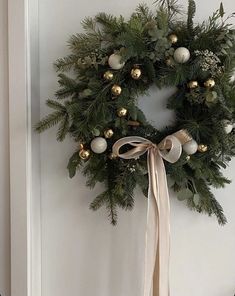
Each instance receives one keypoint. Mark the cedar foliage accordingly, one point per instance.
(83, 105)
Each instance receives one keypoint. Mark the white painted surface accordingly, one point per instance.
(4, 158)
(24, 146)
(81, 253)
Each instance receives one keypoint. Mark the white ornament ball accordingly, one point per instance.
(115, 62)
(228, 126)
(98, 145)
(181, 55)
(190, 147)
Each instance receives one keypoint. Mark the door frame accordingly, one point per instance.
(24, 111)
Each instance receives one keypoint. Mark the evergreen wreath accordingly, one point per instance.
(116, 61)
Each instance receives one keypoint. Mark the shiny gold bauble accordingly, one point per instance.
(108, 133)
(116, 90)
(173, 38)
(136, 73)
(192, 84)
(112, 156)
(84, 154)
(108, 75)
(209, 83)
(121, 112)
(202, 148)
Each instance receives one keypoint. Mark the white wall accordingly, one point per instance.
(4, 158)
(81, 253)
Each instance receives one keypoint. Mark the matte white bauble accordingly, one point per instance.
(228, 126)
(190, 147)
(115, 61)
(98, 145)
(181, 55)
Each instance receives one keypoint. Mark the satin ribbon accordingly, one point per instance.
(157, 240)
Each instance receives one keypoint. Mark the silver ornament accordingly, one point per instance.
(98, 145)
(181, 55)
(114, 62)
(190, 147)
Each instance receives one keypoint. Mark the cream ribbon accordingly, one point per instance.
(157, 240)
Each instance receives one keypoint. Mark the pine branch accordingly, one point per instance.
(68, 85)
(74, 162)
(106, 198)
(49, 121)
(208, 204)
(63, 128)
(143, 13)
(112, 208)
(171, 6)
(55, 105)
(66, 63)
(111, 25)
(191, 14)
(218, 211)
(99, 201)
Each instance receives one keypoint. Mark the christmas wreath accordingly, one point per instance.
(113, 63)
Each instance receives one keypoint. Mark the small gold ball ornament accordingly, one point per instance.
(108, 75)
(108, 133)
(122, 112)
(112, 156)
(173, 38)
(209, 83)
(84, 154)
(192, 84)
(136, 73)
(116, 90)
(202, 148)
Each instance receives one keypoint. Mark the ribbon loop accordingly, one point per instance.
(157, 243)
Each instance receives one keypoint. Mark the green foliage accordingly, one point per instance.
(84, 106)
(74, 162)
(191, 14)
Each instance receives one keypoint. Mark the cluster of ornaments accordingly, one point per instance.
(98, 145)
(181, 55)
(192, 147)
(209, 83)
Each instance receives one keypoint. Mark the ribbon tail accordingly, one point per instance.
(151, 236)
(156, 281)
(161, 272)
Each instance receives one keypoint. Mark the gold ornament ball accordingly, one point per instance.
(112, 156)
(173, 38)
(121, 112)
(84, 154)
(192, 84)
(202, 148)
(116, 90)
(136, 73)
(108, 133)
(209, 83)
(108, 75)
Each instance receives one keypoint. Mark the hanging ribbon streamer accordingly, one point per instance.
(157, 243)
